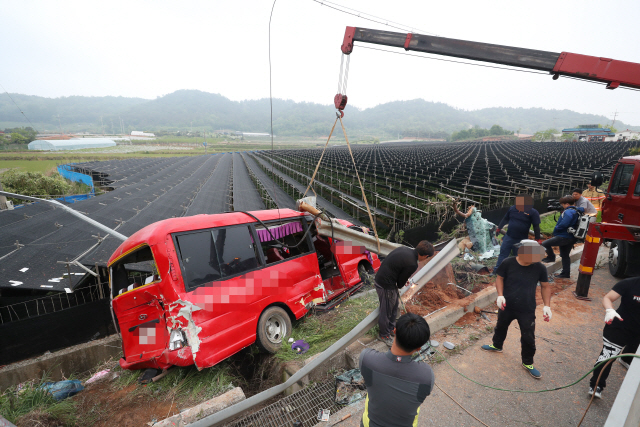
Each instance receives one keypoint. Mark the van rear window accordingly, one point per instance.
(211, 255)
(290, 233)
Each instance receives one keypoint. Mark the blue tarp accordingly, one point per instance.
(64, 171)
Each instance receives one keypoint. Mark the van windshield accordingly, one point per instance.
(132, 271)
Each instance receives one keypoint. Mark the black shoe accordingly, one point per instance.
(562, 276)
(548, 259)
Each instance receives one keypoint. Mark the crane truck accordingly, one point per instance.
(621, 210)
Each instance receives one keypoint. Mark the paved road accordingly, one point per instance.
(578, 325)
(245, 195)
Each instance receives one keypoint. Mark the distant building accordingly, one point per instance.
(138, 133)
(71, 144)
(627, 135)
(252, 134)
(589, 133)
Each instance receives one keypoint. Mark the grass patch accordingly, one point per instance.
(548, 223)
(31, 405)
(324, 330)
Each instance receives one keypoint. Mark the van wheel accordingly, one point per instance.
(618, 258)
(365, 277)
(274, 327)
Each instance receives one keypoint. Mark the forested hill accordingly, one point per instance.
(207, 111)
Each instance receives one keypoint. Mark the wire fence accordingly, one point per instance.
(51, 304)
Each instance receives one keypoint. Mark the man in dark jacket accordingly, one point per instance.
(393, 274)
(519, 218)
(561, 236)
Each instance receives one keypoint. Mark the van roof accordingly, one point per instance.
(634, 158)
(155, 233)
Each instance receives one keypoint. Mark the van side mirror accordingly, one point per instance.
(597, 179)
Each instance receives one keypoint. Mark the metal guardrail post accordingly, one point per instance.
(625, 411)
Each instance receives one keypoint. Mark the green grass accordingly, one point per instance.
(36, 403)
(547, 224)
(34, 165)
(314, 330)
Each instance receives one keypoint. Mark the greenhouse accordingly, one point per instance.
(70, 144)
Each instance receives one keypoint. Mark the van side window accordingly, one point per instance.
(236, 251)
(622, 179)
(199, 258)
(211, 255)
(288, 233)
(637, 191)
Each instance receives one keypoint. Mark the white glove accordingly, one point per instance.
(501, 302)
(611, 314)
(546, 313)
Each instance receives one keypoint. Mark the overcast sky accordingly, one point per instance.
(151, 48)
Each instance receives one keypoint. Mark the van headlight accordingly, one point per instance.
(177, 339)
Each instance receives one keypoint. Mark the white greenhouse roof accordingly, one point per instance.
(70, 144)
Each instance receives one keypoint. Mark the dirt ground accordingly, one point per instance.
(101, 407)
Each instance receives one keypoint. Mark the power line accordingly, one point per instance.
(360, 14)
(19, 109)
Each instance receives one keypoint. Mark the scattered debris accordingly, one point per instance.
(63, 389)
(300, 346)
(98, 376)
(350, 387)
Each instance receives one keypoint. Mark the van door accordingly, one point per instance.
(136, 303)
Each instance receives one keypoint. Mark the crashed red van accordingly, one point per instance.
(196, 290)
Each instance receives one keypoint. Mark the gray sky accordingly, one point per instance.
(151, 48)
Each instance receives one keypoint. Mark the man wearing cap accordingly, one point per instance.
(397, 385)
(516, 283)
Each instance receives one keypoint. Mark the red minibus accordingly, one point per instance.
(198, 289)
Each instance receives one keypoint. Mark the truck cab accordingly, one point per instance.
(622, 206)
(196, 290)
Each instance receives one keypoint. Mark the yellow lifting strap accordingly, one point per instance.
(364, 196)
(319, 161)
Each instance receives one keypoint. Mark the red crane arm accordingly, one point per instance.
(610, 71)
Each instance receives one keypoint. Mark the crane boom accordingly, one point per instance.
(613, 72)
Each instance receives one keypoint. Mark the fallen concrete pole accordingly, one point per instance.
(338, 231)
(424, 275)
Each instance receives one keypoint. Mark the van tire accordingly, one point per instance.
(274, 327)
(364, 274)
(618, 258)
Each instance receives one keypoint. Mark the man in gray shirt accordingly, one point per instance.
(582, 202)
(397, 385)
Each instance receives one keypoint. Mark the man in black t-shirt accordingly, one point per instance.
(621, 329)
(392, 275)
(516, 283)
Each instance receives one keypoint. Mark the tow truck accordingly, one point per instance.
(621, 210)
